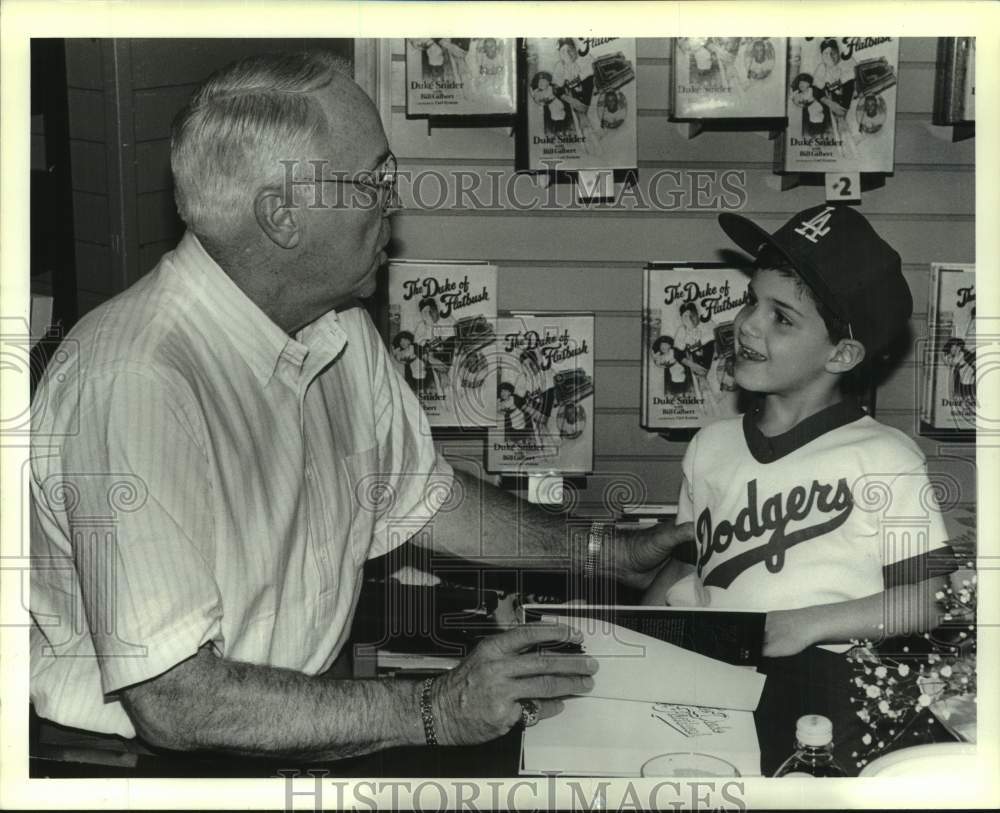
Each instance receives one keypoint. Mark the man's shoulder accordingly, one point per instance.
(146, 330)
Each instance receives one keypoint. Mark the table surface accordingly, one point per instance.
(816, 681)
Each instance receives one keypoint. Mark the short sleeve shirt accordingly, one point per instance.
(199, 476)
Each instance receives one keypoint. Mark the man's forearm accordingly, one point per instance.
(206, 703)
(491, 526)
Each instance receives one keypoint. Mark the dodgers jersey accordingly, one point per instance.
(838, 508)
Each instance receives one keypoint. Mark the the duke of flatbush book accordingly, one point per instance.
(728, 77)
(576, 104)
(688, 343)
(841, 104)
(545, 395)
(453, 76)
(441, 334)
(949, 374)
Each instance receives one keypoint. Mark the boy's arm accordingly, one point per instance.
(896, 611)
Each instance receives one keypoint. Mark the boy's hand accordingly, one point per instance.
(646, 554)
(788, 632)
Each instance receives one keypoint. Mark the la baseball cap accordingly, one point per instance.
(849, 268)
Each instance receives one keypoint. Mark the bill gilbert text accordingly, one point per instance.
(315, 791)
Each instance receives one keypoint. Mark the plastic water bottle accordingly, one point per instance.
(813, 750)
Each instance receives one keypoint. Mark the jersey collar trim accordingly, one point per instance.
(768, 449)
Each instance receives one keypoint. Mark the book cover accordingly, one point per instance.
(460, 77)
(595, 736)
(732, 636)
(955, 81)
(950, 361)
(687, 351)
(841, 104)
(442, 336)
(545, 395)
(729, 77)
(577, 104)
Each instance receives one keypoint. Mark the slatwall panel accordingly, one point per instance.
(574, 257)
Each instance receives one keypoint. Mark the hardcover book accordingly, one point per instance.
(955, 80)
(442, 337)
(688, 346)
(545, 395)
(577, 104)
(841, 104)
(729, 77)
(949, 378)
(460, 77)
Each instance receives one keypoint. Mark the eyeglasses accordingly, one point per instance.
(380, 182)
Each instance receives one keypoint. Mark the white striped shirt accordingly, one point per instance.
(200, 476)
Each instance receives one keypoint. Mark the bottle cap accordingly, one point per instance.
(814, 729)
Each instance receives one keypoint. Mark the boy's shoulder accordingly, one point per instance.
(724, 436)
(876, 440)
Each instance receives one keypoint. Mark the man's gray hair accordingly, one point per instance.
(238, 127)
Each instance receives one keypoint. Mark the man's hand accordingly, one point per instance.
(788, 632)
(644, 552)
(479, 699)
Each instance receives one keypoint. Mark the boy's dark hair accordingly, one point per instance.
(538, 77)
(398, 338)
(835, 327)
(427, 302)
(802, 77)
(505, 386)
(660, 341)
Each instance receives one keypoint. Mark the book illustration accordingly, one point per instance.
(441, 336)
(950, 362)
(841, 104)
(693, 721)
(545, 393)
(688, 344)
(460, 76)
(595, 736)
(578, 104)
(729, 77)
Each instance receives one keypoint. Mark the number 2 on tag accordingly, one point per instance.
(843, 186)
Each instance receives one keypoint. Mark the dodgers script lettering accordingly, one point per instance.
(773, 515)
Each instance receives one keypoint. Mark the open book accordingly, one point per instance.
(595, 736)
(650, 698)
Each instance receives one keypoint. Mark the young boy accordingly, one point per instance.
(806, 507)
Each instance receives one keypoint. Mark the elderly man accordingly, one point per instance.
(227, 443)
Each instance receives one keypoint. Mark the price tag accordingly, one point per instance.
(843, 186)
(595, 184)
(545, 489)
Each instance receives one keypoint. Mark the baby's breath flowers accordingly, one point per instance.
(894, 690)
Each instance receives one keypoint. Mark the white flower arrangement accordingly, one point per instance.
(894, 691)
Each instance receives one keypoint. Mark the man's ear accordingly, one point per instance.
(276, 217)
(847, 355)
